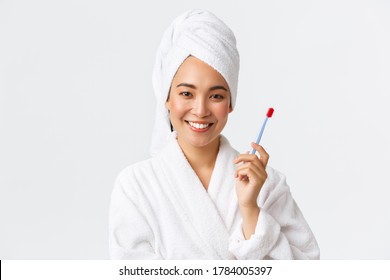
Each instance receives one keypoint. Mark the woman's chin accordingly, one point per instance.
(200, 142)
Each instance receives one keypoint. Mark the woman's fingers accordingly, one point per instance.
(245, 158)
(246, 168)
(253, 158)
(264, 156)
(252, 173)
(249, 166)
(252, 167)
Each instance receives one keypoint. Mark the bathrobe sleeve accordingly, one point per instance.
(130, 235)
(281, 231)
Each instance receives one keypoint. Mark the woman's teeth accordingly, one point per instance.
(199, 125)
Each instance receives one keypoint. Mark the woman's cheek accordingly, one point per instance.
(223, 109)
(178, 107)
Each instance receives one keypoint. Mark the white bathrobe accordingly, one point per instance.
(160, 210)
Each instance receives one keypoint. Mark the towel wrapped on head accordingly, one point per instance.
(201, 34)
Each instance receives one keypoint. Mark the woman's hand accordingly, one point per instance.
(251, 176)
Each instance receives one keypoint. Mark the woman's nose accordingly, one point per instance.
(200, 108)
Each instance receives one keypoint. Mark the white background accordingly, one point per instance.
(76, 107)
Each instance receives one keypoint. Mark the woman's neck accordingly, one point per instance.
(201, 157)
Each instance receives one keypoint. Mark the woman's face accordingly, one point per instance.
(198, 103)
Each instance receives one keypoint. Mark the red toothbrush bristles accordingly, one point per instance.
(270, 112)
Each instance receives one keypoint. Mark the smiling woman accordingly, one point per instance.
(198, 106)
(197, 197)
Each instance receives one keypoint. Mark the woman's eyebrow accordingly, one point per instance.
(186, 85)
(194, 87)
(218, 87)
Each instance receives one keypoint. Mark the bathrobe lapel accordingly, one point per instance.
(208, 213)
(221, 189)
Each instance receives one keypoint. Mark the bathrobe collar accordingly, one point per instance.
(202, 208)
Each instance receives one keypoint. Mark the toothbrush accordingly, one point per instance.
(269, 114)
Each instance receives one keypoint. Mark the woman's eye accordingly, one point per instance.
(186, 93)
(217, 96)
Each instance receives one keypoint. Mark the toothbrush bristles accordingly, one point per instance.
(270, 112)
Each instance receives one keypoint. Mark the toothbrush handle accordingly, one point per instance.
(253, 151)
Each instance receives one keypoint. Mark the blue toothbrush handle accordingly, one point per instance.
(253, 151)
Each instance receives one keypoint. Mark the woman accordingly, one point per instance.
(198, 198)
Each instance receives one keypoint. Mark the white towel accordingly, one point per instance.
(201, 34)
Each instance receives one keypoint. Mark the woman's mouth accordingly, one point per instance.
(199, 126)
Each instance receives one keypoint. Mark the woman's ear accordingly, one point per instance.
(230, 103)
(168, 105)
